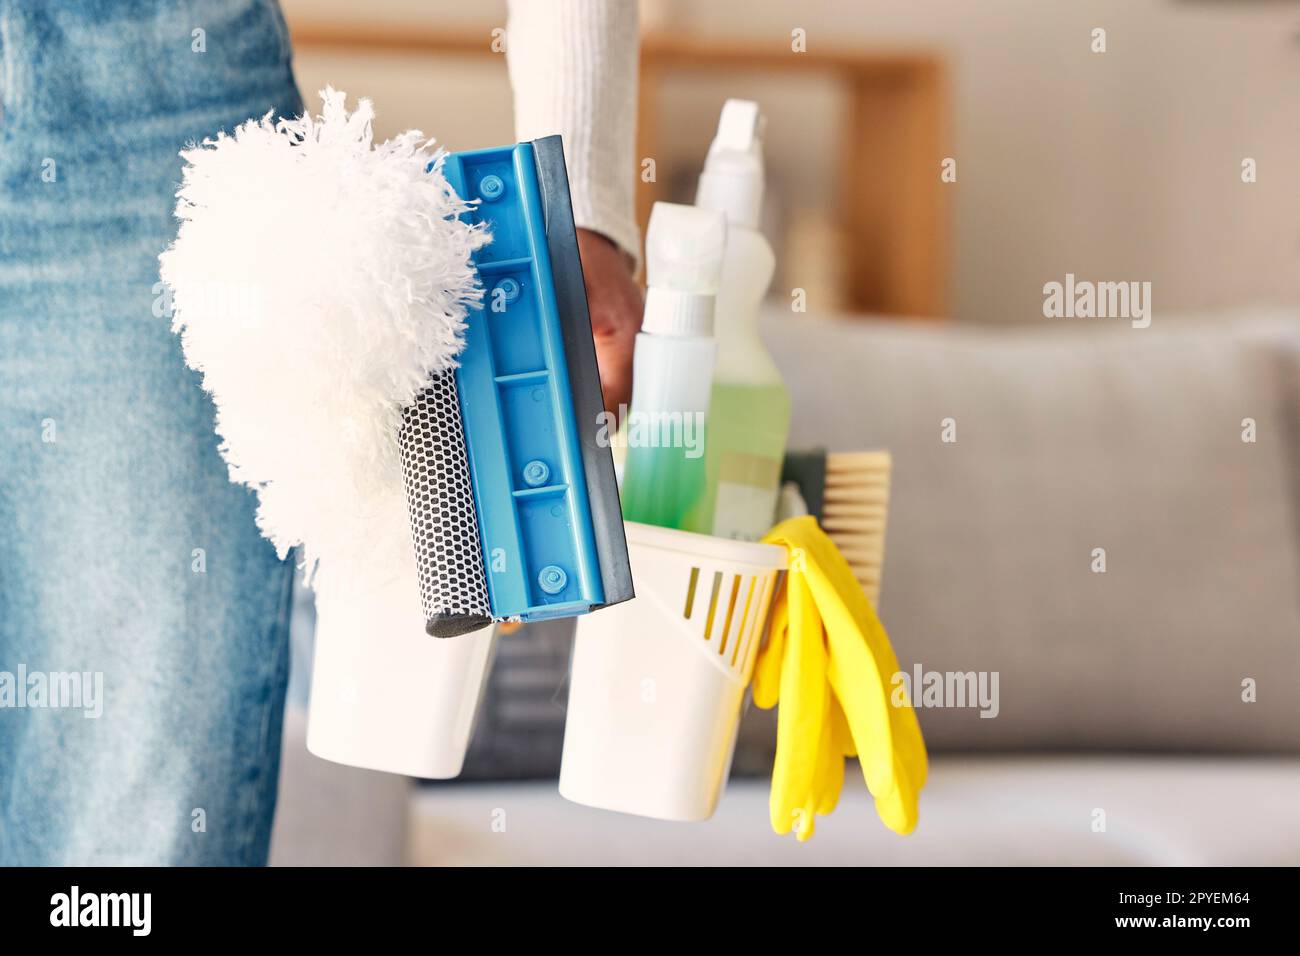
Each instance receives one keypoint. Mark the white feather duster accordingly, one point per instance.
(318, 281)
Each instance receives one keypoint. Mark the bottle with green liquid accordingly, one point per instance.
(749, 410)
(665, 478)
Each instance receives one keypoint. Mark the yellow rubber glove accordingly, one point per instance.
(829, 663)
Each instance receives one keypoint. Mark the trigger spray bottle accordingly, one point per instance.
(664, 481)
(749, 417)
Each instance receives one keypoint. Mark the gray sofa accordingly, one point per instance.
(1147, 714)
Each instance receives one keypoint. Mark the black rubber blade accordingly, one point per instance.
(584, 374)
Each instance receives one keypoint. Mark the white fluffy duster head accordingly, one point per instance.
(317, 282)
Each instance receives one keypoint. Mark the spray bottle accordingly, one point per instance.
(672, 368)
(750, 407)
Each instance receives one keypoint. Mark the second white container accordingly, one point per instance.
(657, 683)
(387, 696)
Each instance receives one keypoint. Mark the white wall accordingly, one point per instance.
(1123, 165)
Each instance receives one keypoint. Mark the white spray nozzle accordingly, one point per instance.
(740, 128)
(732, 181)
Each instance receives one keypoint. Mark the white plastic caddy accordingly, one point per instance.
(657, 683)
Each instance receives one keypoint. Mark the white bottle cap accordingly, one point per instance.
(684, 248)
(732, 181)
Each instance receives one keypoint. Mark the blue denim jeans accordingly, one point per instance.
(128, 561)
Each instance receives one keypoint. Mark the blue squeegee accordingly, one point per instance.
(513, 502)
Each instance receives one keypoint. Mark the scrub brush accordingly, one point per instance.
(848, 494)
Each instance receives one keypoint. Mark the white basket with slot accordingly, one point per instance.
(657, 683)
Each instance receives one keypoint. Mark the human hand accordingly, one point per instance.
(615, 304)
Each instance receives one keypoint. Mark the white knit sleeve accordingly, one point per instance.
(573, 66)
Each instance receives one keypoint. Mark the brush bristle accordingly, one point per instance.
(855, 512)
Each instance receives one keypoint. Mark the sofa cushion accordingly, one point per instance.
(1071, 439)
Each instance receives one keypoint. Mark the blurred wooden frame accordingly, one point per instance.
(892, 210)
